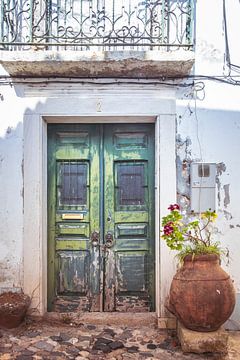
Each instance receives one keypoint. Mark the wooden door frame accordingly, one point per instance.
(35, 198)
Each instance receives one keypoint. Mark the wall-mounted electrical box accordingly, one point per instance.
(203, 187)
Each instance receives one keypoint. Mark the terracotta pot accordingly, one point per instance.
(13, 308)
(202, 296)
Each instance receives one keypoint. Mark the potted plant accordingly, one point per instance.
(202, 296)
(13, 308)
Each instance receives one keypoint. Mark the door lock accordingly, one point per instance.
(95, 238)
(109, 240)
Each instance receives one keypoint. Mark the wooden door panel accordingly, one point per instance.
(72, 184)
(73, 270)
(131, 188)
(127, 265)
(132, 236)
(128, 216)
(100, 217)
(71, 228)
(129, 173)
(74, 267)
(124, 140)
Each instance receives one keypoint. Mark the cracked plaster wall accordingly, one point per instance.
(208, 130)
(219, 134)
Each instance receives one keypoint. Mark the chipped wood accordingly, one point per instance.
(114, 165)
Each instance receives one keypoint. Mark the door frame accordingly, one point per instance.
(35, 198)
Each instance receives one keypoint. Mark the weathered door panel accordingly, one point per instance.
(128, 203)
(73, 172)
(100, 217)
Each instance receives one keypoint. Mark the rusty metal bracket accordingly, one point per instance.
(95, 239)
(109, 240)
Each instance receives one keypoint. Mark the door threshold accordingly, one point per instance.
(133, 319)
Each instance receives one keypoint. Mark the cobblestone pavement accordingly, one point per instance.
(45, 340)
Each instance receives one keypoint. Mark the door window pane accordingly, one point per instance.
(73, 183)
(130, 182)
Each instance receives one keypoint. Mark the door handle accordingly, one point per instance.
(95, 238)
(109, 240)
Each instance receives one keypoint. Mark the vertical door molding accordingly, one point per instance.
(35, 214)
(165, 195)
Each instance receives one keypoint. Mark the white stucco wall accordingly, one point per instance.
(208, 130)
(11, 191)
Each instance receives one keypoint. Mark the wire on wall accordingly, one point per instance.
(164, 80)
(230, 65)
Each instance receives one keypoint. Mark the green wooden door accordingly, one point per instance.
(101, 217)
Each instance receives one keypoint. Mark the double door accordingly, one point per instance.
(101, 217)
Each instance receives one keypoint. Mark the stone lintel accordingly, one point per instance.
(202, 342)
(89, 64)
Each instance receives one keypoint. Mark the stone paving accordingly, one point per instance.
(49, 340)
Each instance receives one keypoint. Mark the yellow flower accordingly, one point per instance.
(214, 216)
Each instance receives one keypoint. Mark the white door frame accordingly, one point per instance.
(35, 193)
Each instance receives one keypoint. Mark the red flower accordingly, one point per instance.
(174, 207)
(168, 229)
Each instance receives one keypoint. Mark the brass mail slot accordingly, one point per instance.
(72, 216)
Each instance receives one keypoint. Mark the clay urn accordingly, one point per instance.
(202, 296)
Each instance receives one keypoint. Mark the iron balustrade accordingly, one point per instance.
(96, 24)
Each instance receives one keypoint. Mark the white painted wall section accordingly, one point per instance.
(207, 129)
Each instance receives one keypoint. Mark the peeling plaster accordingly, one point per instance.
(183, 184)
(227, 215)
(221, 168)
(226, 200)
(183, 160)
(184, 146)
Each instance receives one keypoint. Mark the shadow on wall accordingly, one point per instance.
(12, 188)
(11, 206)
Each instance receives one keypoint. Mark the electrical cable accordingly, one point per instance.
(229, 79)
(10, 80)
(164, 80)
(231, 67)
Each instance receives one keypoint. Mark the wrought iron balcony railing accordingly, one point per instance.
(96, 24)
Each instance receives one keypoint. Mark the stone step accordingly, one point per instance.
(202, 342)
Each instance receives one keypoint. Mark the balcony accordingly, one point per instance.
(145, 38)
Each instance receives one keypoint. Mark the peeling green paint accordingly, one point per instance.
(114, 273)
